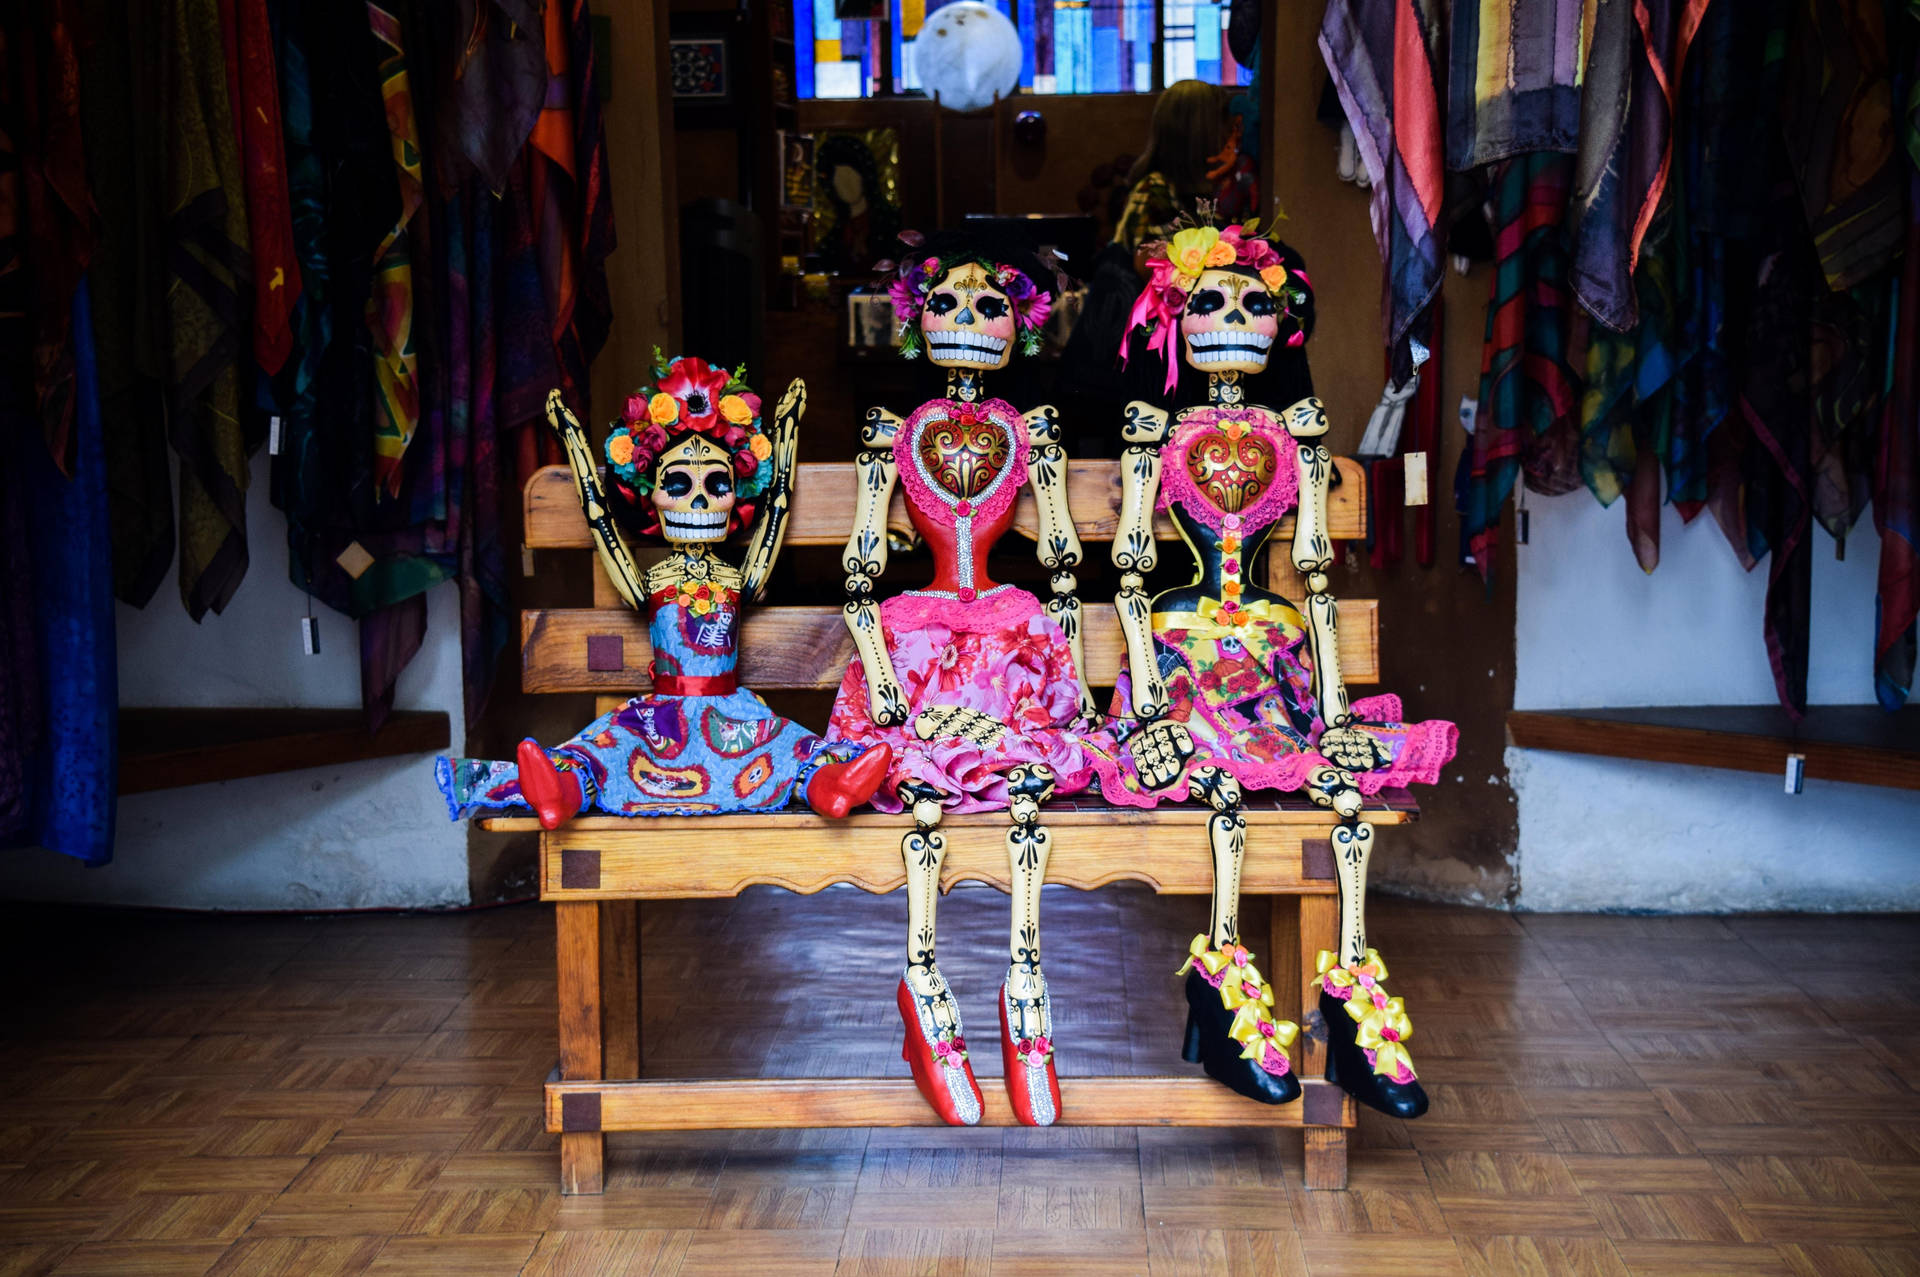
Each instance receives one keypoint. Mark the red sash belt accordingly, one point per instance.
(695, 684)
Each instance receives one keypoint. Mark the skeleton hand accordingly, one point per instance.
(1160, 751)
(1351, 749)
(952, 722)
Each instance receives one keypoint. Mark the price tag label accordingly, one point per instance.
(1415, 464)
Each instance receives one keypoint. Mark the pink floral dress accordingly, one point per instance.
(1236, 659)
(966, 642)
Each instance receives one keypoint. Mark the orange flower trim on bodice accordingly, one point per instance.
(962, 465)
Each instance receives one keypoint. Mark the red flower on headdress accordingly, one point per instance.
(698, 387)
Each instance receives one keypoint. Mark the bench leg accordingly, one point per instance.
(1326, 1157)
(1300, 927)
(620, 988)
(577, 979)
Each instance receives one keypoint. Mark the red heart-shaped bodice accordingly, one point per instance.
(1232, 472)
(964, 453)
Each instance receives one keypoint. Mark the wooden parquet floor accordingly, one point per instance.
(340, 1095)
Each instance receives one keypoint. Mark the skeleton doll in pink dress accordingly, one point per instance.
(1232, 686)
(976, 686)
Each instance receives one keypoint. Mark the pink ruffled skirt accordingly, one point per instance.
(999, 655)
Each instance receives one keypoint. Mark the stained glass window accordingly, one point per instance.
(1070, 46)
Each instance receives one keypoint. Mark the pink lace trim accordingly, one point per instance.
(936, 503)
(1177, 485)
(1000, 610)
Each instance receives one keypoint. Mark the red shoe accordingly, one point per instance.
(835, 789)
(1032, 1084)
(553, 794)
(939, 1063)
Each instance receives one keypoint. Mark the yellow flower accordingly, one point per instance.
(1221, 254)
(758, 445)
(1189, 249)
(735, 410)
(620, 449)
(664, 409)
(1274, 276)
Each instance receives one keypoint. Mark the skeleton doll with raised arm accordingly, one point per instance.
(1231, 687)
(689, 463)
(976, 686)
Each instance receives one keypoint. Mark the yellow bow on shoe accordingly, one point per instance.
(1382, 1035)
(1383, 1023)
(1254, 1028)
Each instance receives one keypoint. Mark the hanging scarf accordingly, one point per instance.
(1896, 480)
(1515, 76)
(119, 83)
(1837, 112)
(390, 311)
(1382, 55)
(41, 105)
(1528, 391)
(207, 266)
(1632, 80)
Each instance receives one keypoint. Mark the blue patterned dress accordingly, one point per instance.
(698, 744)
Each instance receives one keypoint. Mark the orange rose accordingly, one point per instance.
(620, 449)
(1229, 544)
(1221, 254)
(735, 410)
(1230, 588)
(759, 445)
(664, 409)
(1274, 276)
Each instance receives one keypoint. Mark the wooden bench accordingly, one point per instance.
(596, 869)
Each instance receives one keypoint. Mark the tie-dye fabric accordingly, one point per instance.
(396, 405)
(1516, 71)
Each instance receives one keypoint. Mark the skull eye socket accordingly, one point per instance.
(1206, 301)
(1260, 303)
(942, 303)
(676, 482)
(991, 307)
(719, 484)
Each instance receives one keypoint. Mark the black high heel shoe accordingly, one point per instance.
(1253, 1061)
(1366, 1055)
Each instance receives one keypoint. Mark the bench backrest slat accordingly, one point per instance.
(823, 498)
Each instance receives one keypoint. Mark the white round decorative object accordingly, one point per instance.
(967, 55)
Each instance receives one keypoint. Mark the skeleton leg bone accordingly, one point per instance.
(1026, 1017)
(935, 1045)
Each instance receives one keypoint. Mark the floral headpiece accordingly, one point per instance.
(1174, 268)
(919, 272)
(690, 397)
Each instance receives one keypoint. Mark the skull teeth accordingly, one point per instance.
(965, 347)
(694, 525)
(1229, 337)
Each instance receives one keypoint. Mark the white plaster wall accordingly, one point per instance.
(364, 835)
(1594, 631)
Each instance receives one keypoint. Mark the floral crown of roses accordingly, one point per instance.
(917, 273)
(1174, 266)
(691, 397)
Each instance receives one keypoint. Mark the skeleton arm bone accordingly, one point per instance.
(770, 528)
(1134, 552)
(1306, 421)
(615, 554)
(1057, 542)
(865, 558)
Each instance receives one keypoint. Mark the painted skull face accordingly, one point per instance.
(1230, 322)
(968, 321)
(693, 490)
